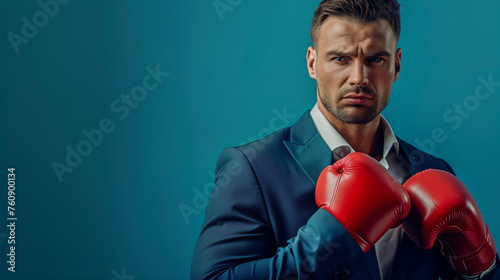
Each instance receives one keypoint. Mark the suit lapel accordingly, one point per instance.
(372, 268)
(404, 258)
(411, 159)
(308, 148)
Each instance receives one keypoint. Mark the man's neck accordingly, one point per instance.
(365, 138)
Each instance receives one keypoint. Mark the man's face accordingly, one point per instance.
(354, 65)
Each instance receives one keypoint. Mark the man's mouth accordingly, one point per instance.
(356, 98)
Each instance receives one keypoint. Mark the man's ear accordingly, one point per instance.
(311, 62)
(397, 65)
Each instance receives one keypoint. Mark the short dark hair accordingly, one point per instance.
(364, 11)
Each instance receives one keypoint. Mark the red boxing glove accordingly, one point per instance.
(363, 196)
(443, 208)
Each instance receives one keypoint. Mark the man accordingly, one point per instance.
(263, 221)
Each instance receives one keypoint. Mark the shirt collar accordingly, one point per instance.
(336, 142)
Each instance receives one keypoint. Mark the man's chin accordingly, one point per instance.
(356, 115)
(357, 120)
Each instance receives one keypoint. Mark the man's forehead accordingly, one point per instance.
(344, 31)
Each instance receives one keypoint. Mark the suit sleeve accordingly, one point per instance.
(448, 166)
(493, 273)
(237, 240)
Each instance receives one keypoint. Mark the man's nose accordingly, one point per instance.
(359, 74)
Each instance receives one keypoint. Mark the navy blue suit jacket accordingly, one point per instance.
(262, 221)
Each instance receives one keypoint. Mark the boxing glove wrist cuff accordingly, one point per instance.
(476, 261)
(481, 276)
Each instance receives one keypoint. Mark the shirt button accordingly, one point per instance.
(347, 271)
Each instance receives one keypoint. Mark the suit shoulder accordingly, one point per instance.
(267, 145)
(425, 159)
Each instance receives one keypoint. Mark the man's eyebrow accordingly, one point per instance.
(339, 53)
(382, 53)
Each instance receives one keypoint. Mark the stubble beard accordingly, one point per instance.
(352, 114)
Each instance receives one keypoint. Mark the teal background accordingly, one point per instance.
(119, 208)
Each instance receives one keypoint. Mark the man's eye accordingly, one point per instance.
(339, 59)
(376, 59)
